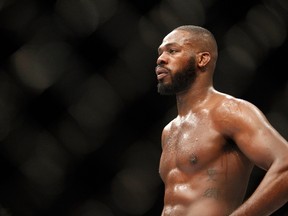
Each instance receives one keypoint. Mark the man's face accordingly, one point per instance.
(176, 64)
(180, 80)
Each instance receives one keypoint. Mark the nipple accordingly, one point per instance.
(194, 159)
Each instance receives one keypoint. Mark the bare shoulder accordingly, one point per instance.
(168, 125)
(230, 113)
(166, 130)
(226, 104)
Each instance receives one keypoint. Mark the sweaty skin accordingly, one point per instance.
(210, 148)
(203, 170)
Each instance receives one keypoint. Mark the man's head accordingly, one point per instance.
(185, 53)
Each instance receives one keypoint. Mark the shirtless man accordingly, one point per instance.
(210, 148)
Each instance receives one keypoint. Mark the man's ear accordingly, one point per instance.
(203, 60)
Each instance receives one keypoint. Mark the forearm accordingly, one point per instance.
(271, 194)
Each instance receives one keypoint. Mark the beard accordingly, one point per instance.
(181, 81)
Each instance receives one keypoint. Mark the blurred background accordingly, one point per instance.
(80, 116)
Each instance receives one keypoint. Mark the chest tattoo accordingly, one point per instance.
(212, 193)
(211, 174)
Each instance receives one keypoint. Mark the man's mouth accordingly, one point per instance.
(161, 72)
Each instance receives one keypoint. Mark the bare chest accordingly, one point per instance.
(190, 146)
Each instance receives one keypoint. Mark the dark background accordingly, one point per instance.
(80, 117)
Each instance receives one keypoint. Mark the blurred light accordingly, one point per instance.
(246, 45)
(122, 80)
(279, 4)
(170, 114)
(11, 100)
(74, 138)
(93, 208)
(39, 66)
(45, 167)
(5, 119)
(122, 27)
(167, 17)
(96, 107)
(278, 113)
(131, 193)
(279, 122)
(240, 55)
(134, 189)
(106, 8)
(84, 16)
(240, 41)
(20, 15)
(207, 3)
(286, 95)
(173, 13)
(232, 76)
(138, 64)
(4, 3)
(188, 12)
(17, 152)
(136, 155)
(149, 33)
(267, 26)
(4, 211)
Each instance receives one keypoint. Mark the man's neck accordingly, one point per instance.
(192, 99)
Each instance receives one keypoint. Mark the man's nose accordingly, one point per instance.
(162, 59)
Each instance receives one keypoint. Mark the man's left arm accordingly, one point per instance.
(265, 147)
